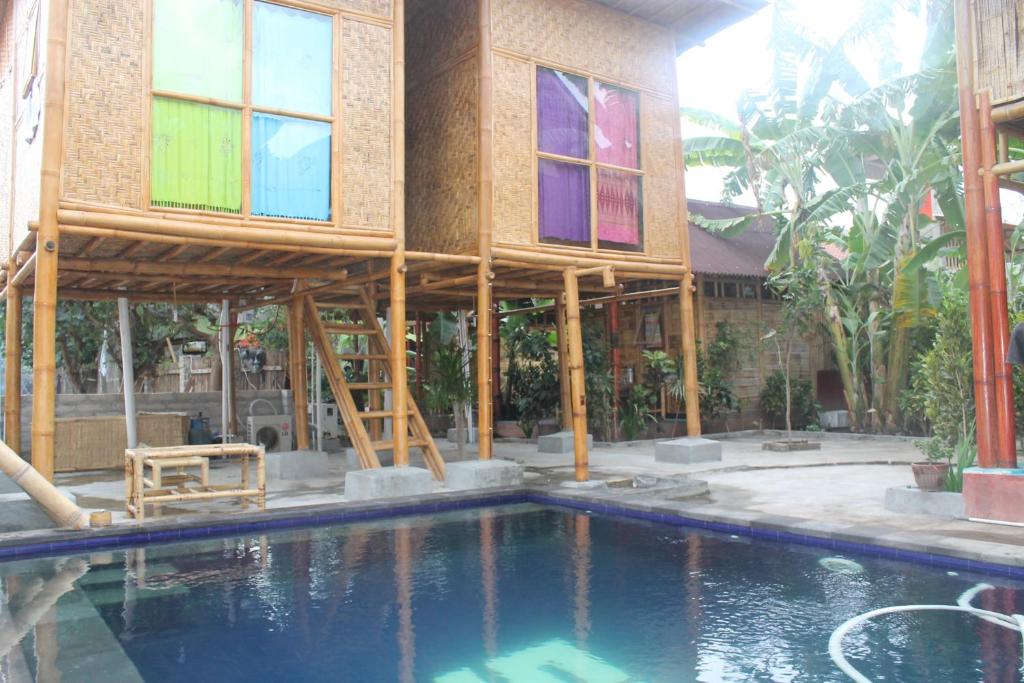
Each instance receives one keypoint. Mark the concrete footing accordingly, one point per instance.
(560, 442)
(589, 485)
(994, 495)
(482, 474)
(388, 482)
(914, 501)
(295, 464)
(687, 450)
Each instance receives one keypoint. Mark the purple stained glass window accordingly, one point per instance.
(562, 110)
(564, 202)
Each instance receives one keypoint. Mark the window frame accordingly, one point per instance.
(248, 109)
(591, 163)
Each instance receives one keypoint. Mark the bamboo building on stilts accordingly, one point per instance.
(366, 156)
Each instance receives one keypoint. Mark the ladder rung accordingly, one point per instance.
(338, 328)
(384, 445)
(376, 414)
(356, 386)
(363, 356)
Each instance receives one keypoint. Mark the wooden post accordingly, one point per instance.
(690, 388)
(374, 397)
(419, 357)
(44, 330)
(977, 262)
(563, 365)
(297, 371)
(12, 368)
(1006, 432)
(485, 216)
(578, 394)
(127, 372)
(616, 352)
(495, 368)
(399, 374)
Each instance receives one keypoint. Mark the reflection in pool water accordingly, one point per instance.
(515, 593)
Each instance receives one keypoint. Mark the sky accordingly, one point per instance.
(713, 76)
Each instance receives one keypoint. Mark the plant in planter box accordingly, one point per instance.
(538, 392)
(931, 475)
(636, 411)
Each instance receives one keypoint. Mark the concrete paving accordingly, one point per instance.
(840, 488)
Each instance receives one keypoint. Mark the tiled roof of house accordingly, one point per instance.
(742, 256)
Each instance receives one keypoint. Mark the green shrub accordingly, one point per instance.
(773, 402)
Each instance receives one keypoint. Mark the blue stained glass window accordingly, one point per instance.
(291, 167)
(292, 61)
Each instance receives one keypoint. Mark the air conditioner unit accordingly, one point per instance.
(328, 419)
(273, 432)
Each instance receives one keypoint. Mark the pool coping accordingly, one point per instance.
(881, 542)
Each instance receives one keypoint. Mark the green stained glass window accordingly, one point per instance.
(197, 47)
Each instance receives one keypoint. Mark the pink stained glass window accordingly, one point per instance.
(616, 133)
(619, 210)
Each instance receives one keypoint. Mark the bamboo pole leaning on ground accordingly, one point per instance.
(1006, 437)
(61, 510)
(578, 394)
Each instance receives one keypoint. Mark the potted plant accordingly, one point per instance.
(931, 474)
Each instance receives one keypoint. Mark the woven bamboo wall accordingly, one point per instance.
(380, 8)
(513, 151)
(106, 104)
(6, 120)
(28, 155)
(589, 37)
(999, 54)
(661, 179)
(441, 127)
(366, 117)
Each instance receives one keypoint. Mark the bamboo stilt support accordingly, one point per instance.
(977, 262)
(485, 217)
(44, 350)
(297, 370)
(690, 386)
(12, 368)
(563, 364)
(61, 510)
(1006, 433)
(399, 374)
(577, 388)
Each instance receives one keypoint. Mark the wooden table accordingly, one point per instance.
(139, 491)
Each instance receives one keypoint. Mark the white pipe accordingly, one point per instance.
(463, 328)
(127, 372)
(835, 642)
(225, 370)
(318, 379)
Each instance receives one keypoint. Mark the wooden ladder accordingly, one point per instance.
(361, 424)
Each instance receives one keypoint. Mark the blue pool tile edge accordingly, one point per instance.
(197, 528)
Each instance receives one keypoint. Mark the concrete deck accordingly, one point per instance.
(838, 490)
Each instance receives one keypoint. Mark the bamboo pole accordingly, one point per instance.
(21, 274)
(630, 296)
(61, 510)
(229, 235)
(461, 259)
(399, 374)
(1006, 436)
(527, 259)
(577, 389)
(201, 269)
(563, 364)
(12, 368)
(977, 264)
(297, 367)
(44, 340)
(485, 217)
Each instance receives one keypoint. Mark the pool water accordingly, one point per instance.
(513, 593)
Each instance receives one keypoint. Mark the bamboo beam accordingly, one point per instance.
(12, 367)
(44, 349)
(24, 272)
(577, 390)
(399, 374)
(485, 217)
(297, 367)
(293, 235)
(213, 241)
(563, 364)
(38, 487)
(1006, 433)
(202, 269)
(461, 259)
(523, 258)
(100, 294)
(977, 263)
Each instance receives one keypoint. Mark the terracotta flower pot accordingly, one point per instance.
(930, 476)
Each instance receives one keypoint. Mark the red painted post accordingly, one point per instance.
(1006, 433)
(977, 252)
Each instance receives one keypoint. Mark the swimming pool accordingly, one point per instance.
(518, 592)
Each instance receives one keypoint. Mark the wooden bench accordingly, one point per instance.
(140, 491)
